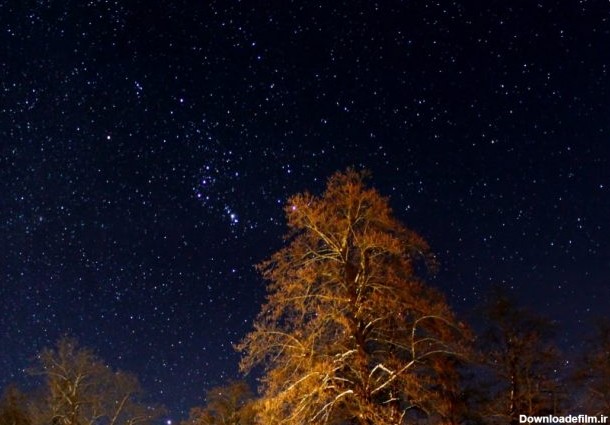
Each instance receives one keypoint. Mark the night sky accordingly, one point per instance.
(147, 149)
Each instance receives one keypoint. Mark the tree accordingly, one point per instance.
(232, 404)
(79, 389)
(349, 333)
(593, 372)
(13, 408)
(521, 360)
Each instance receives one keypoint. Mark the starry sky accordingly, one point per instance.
(147, 149)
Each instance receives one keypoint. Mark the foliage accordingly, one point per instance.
(349, 333)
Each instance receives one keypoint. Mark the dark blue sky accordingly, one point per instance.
(146, 151)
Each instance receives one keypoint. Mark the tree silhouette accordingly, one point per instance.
(522, 362)
(231, 404)
(593, 371)
(349, 333)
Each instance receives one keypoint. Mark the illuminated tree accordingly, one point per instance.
(522, 363)
(232, 404)
(79, 389)
(349, 334)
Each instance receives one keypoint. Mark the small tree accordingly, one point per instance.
(522, 362)
(79, 389)
(593, 372)
(13, 408)
(232, 404)
(349, 333)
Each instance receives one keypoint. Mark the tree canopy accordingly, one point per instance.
(349, 332)
(80, 389)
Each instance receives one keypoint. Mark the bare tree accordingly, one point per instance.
(593, 372)
(232, 404)
(349, 334)
(522, 374)
(14, 408)
(79, 389)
